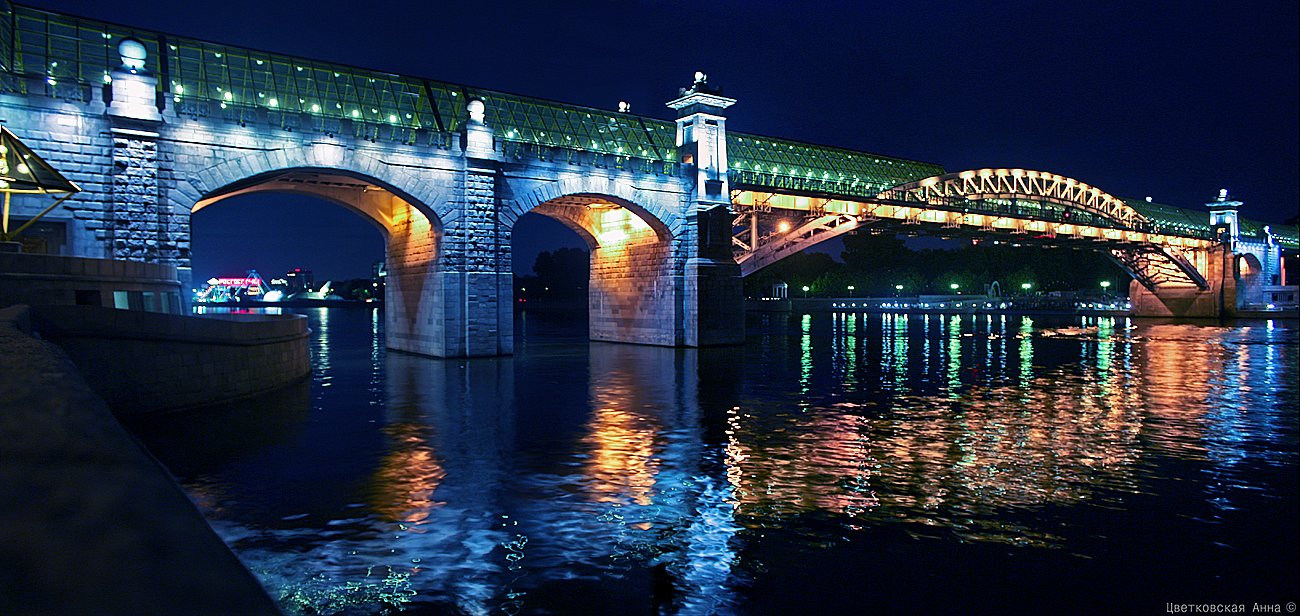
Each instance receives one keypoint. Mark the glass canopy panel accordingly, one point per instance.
(1172, 220)
(521, 119)
(769, 162)
(59, 48)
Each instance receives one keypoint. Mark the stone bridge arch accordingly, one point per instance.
(408, 210)
(633, 234)
(204, 179)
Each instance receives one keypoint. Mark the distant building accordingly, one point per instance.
(378, 276)
(298, 279)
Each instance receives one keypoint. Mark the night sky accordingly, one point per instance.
(1168, 100)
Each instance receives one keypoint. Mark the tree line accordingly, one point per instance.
(876, 265)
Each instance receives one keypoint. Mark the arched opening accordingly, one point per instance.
(407, 242)
(551, 264)
(630, 290)
(295, 242)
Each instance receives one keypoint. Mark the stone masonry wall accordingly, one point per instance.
(74, 139)
(142, 230)
(142, 363)
(632, 295)
(413, 296)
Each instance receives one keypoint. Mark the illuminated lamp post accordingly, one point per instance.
(898, 290)
(954, 286)
(23, 172)
(1026, 286)
(850, 290)
(805, 291)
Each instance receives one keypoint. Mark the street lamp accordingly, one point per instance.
(1105, 284)
(1025, 286)
(898, 288)
(850, 290)
(805, 291)
(954, 286)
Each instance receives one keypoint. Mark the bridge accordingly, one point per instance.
(154, 127)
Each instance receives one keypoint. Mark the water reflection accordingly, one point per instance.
(603, 477)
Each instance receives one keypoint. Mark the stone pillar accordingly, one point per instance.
(140, 224)
(1272, 258)
(477, 280)
(713, 311)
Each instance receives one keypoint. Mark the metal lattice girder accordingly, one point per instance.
(1153, 266)
(1017, 184)
(779, 246)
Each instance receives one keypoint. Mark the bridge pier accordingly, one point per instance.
(714, 293)
(1219, 300)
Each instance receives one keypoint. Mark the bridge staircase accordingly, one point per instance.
(776, 246)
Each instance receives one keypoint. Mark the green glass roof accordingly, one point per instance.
(774, 163)
(1196, 222)
(1173, 220)
(1288, 236)
(209, 79)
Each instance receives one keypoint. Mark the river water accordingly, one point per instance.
(834, 464)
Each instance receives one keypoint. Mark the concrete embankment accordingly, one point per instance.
(89, 522)
(145, 362)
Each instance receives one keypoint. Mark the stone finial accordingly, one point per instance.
(701, 96)
(133, 54)
(476, 111)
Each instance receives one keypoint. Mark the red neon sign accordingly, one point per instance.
(238, 282)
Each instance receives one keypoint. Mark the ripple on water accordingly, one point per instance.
(579, 477)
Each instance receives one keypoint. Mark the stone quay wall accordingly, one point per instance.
(91, 523)
(142, 362)
(54, 280)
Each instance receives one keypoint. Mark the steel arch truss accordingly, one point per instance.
(1017, 184)
(1154, 266)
